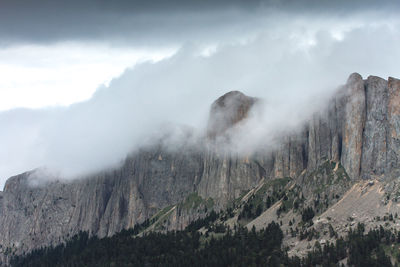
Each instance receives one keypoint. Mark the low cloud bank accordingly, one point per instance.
(294, 71)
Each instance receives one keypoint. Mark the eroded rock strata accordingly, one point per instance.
(359, 132)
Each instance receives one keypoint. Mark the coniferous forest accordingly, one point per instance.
(230, 247)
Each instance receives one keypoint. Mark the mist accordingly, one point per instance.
(294, 67)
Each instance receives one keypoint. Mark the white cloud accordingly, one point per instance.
(294, 67)
(34, 76)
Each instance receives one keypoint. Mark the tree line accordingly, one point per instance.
(230, 247)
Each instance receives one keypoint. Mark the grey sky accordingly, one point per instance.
(159, 22)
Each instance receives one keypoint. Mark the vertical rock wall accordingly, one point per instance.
(360, 128)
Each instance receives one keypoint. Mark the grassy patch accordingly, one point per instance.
(393, 251)
(238, 200)
(269, 193)
(193, 201)
(161, 213)
(273, 185)
(327, 169)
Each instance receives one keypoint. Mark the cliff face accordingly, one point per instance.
(102, 205)
(359, 129)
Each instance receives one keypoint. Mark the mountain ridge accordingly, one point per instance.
(355, 139)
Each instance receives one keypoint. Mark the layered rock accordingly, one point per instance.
(360, 129)
(353, 127)
(102, 205)
(374, 147)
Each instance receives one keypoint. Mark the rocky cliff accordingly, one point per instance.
(227, 111)
(358, 134)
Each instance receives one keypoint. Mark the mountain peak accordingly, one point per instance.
(354, 77)
(227, 111)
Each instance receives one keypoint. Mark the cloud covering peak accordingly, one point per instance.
(293, 60)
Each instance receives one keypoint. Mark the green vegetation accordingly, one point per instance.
(182, 248)
(209, 242)
(275, 184)
(203, 222)
(307, 215)
(233, 247)
(161, 213)
(291, 200)
(325, 185)
(161, 217)
(238, 200)
(341, 174)
(193, 201)
(308, 234)
(332, 176)
(271, 192)
(359, 248)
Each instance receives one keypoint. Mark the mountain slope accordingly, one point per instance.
(355, 138)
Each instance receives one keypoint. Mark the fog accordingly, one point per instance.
(294, 64)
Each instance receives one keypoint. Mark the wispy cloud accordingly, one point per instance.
(293, 62)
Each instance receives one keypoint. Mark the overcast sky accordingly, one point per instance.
(83, 83)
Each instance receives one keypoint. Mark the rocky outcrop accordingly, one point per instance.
(374, 147)
(393, 122)
(227, 111)
(353, 127)
(360, 129)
